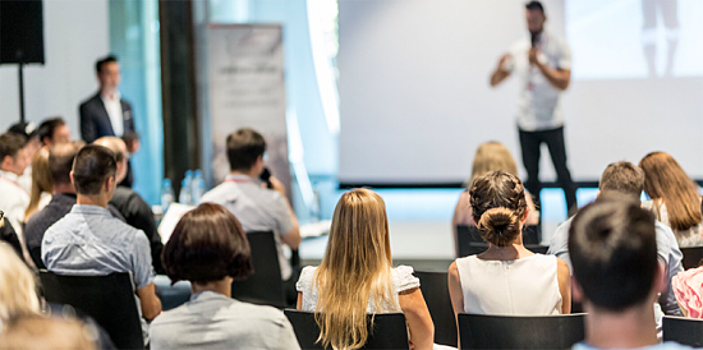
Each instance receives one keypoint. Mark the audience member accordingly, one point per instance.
(90, 241)
(137, 213)
(626, 179)
(613, 248)
(40, 195)
(53, 131)
(490, 156)
(210, 249)
(674, 198)
(63, 198)
(34, 331)
(18, 292)
(32, 145)
(8, 235)
(357, 277)
(14, 199)
(506, 279)
(258, 208)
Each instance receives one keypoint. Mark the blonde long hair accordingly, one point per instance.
(491, 156)
(41, 181)
(18, 292)
(664, 179)
(355, 269)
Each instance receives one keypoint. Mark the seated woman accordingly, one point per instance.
(490, 156)
(42, 185)
(209, 248)
(357, 277)
(506, 279)
(674, 198)
(18, 292)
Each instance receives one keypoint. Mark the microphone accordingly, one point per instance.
(534, 37)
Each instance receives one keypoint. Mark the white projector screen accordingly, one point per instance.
(415, 100)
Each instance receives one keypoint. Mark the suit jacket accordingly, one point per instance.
(95, 122)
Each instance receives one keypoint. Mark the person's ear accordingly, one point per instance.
(110, 183)
(525, 215)
(72, 180)
(576, 291)
(598, 194)
(6, 162)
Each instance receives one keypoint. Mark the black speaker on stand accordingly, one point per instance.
(21, 37)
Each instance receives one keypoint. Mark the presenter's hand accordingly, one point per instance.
(503, 61)
(532, 55)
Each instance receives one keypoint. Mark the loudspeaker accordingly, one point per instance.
(21, 31)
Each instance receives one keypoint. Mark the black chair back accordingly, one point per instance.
(389, 331)
(471, 243)
(686, 331)
(436, 292)
(691, 257)
(520, 332)
(264, 286)
(109, 300)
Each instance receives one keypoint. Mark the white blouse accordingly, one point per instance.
(693, 237)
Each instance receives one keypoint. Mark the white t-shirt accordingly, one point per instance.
(257, 209)
(539, 103)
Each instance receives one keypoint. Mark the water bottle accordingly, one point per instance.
(184, 194)
(197, 187)
(166, 194)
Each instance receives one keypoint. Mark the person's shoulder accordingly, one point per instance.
(90, 100)
(260, 312)
(217, 193)
(306, 276)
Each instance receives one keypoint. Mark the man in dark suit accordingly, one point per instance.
(107, 114)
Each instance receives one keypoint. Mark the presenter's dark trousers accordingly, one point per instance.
(530, 142)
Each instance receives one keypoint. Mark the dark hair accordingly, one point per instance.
(207, 245)
(534, 5)
(92, 167)
(624, 178)
(613, 250)
(61, 158)
(11, 144)
(243, 148)
(47, 128)
(498, 204)
(99, 64)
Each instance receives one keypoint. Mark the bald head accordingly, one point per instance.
(117, 146)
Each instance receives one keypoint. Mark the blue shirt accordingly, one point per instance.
(667, 250)
(670, 345)
(89, 241)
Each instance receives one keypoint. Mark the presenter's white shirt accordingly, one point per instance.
(114, 111)
(539, 104)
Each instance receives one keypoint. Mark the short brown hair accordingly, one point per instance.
(208, 244)
(622, 177)
(498, 205)
(92, 167)
(244, 147)
(11, 144)
(61, 158)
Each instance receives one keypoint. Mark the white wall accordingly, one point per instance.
(76, 33)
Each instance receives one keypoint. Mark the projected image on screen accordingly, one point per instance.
(633, 39)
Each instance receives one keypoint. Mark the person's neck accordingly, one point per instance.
(10, 171)
(99, 200)
(633, 328)
(63, 189)
(109, 93)
(250, 173)
(223, 286)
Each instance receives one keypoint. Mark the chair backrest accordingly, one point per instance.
(471, 243)
(264, 286)
(436, 292)
(389, 331)
(520, 332)
(686, 331)
(691, 257)
(109, 300)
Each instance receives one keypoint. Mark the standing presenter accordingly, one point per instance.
(542, 62)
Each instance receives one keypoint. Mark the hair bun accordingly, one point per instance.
(499, 226)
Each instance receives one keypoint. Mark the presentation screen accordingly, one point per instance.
(415, 99)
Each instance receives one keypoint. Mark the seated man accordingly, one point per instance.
(613, 249)
(89, 241)
(54, 131)
(63, 198)
(258, 208)
(14, 199)
(137, 213)
(627, 179)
